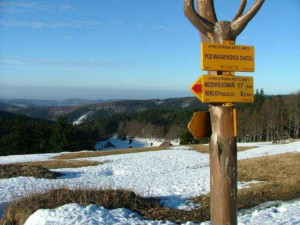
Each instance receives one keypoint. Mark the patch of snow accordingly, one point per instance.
(268, 213)
(26, 158)
(185, 105)
(159, 102)
(248, 184)
(81, 119)
(172, 175)
(156, 141)
(253, 144)
(279, 214)
(271, 149)
(88, 215)
(136, 143)
(276, 214)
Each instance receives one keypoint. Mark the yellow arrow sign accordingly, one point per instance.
(225, 57)
(223, 89)
(199, 125)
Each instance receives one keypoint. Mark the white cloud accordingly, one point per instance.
(16, 6)
(66, 7)
(39, 24)
(76, 38)
(46, 63)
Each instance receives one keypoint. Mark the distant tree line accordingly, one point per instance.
(262, 120)
(156, 123)
(268, 117)
(22, 136)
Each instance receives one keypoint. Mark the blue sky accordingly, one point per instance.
(96, 49)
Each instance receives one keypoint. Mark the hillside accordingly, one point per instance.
(97, 110)
(263, 120)
(25, 103)
(176, 179)
(8, 116)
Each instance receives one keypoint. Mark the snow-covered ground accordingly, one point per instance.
(253, 144)
(26, 158)
(172, 175)
(279, 214)
(136, 143)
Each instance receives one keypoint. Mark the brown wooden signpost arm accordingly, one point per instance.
(223, 146)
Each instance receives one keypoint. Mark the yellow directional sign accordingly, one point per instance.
(222, 89)
(226, 57)
(200, 126)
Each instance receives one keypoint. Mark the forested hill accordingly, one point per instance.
(9, 117)
(94, 111)
(24, 135)
(262, 120)
(48, 103)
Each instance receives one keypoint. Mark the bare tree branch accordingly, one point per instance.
(240, 23)
(203, 25)
(206, 9)
(240, 10)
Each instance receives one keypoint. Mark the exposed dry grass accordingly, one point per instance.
(19, 211)
(111, 152)
(205, 148)
(280, 173)
(40, 169)
(12, 170)
(57, 164)
(281, 176)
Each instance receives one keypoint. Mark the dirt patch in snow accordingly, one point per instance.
(12, 170)
(111, 152)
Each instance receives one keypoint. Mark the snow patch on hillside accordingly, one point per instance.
(271, 149)
(81, 119)
(88, 215)
(26, 158)
(135, 143)
(276, 214)
(185, 105)
(172, 175)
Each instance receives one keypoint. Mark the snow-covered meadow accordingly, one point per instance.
(136, 143)
(172, 175)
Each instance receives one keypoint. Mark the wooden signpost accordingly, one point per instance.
(220, 57)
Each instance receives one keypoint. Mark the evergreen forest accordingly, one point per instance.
(264, 120)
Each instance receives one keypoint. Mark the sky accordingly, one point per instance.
(96, 49)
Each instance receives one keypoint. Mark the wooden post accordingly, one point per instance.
(223, 166)
(223, 147)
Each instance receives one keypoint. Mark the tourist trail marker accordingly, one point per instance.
(226, 57)
(220, 89)
(200, 126)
